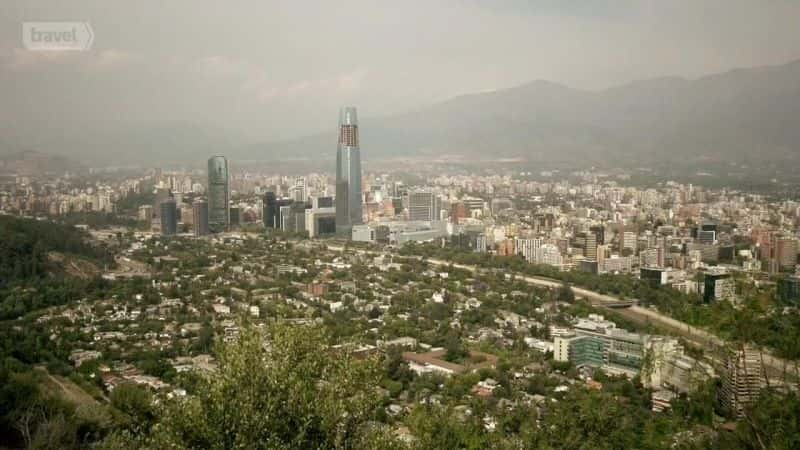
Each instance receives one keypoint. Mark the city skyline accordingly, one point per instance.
(576, 224)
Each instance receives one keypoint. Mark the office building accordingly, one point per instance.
(481, 243)
(527, 248)
(706, 236)
(200, 220)
(169, 217)
(708, 253)
(784, 254)
(599, 232)
(320, 218)
(235, 214)
(299, 189)
(718, 286)
(654, 276)
(283, 208)
(322, 202)
(598, 343)
(588, 266)
(364, 233)
(590, 246)
(270, 210)
(549, 254)
(348, 173)
(651, 257)
(294, 219)
(474, 206)
(320, 222)
(601, 258)
(629, 241)
(185, 214)
(424, 206)
(218, 194)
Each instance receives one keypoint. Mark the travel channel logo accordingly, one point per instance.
(57, 36)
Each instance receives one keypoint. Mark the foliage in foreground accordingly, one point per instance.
(282, 389)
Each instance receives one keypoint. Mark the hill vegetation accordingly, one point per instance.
(34, 258)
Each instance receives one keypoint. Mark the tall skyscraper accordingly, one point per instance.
(218, 194)
(270, 214)
(169, 217)
(200, 213)
(784, 254)
(590, 246)
(348, 172)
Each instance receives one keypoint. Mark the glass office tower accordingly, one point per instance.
(218, 194)
(348, 172)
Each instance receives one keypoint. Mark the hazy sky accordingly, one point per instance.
(274, 69)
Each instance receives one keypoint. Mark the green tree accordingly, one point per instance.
(136, 406)
(565, 293)
(282, 389)
(772, 422)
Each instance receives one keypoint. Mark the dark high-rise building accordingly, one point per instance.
(169, 217)
(200, 216)
(348, 172)
(789, 290)
(235, 214)
(270, 215)
(718, 286)
(296, 218)
(654, 276)
(276, 211)
(322, 202)
(218, 194)
(326, 226)
(599, 233)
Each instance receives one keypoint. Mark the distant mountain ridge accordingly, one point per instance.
(743, 115)
(30, 162)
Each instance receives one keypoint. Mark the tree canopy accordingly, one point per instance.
(281, 389)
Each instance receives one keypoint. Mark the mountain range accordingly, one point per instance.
(748, 115)
(744, 115)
